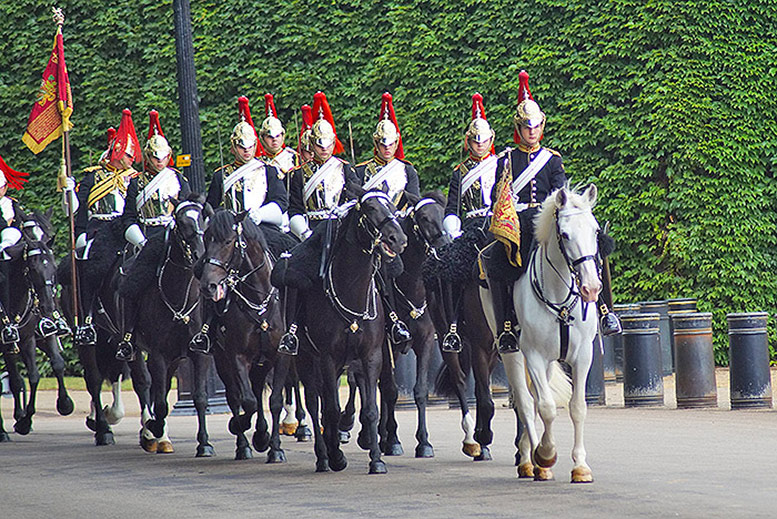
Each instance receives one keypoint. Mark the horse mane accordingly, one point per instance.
(221, 228)
(437, 196)
(545, 221)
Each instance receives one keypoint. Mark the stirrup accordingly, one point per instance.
(125, 350)
(85, 335)
(46, 327)
(610, 324)
(507, 342)
(289, 343)
(9, 334)
(399, 331)
(63, 329)
(200, 343)
(451, 343)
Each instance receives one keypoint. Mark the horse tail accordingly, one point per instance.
(445, 383)
(560, 384)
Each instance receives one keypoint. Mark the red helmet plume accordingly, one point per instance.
(126, 139)
(13, 178)
(245, 115)
(154, 128)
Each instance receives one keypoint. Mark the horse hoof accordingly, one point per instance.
(395, 449)
(105, 438)
(149, 445)
(65, 406)
(582, 475)
(23, 426)
(338, 462)
(378, 467)
(345, 436)
(243, 453)
(525, 470)
(543, 474)
(485, 454)
(471, 449)
(303, 433)
(322, 466)
(288, 429)
(424, 451)
(545, 462)
(260, 441)
(91, 424)
(276, 456)
(205, 451)
(165, 447)
(234, 426)
(4, 437)
(361, 440)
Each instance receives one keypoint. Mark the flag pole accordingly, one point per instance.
(66, 171)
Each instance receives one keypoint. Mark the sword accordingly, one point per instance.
(350, 135)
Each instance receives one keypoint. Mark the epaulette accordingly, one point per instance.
(92, 169)
(225, 166)
(363, 163)
(405, 162)
(295, 168)
(554, 152)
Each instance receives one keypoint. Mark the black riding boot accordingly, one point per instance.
(85, 333)
(289, 343)
(501, 297)
(451, 342)
(10, 332)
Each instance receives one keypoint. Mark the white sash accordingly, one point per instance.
(531, 171)
(318, 177)
(475, 173)
(385, 173)
(241, 172)
(156, 185)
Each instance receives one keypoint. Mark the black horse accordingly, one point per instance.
(161, 299)
(99, 360)
(235, 277)
(344, 321)
(423, 227)
(32, 270)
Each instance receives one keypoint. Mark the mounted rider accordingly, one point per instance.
(317, 189)
(387, 170)
(98, 207)
(148, 210)
(10, 235)
(466, 220)
(248, 184)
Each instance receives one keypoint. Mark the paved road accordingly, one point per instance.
(646, 462)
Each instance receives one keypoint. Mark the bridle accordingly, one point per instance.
(428, 241)
(374, 231)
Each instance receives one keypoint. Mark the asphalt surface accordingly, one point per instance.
(656, 462)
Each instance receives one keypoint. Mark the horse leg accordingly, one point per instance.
(23, 426)
(200, 396)
(93, 378)
(141, 385)
(240, 423)
(459, 379)
(289, 422)
(331, 414)
(261, 437)
(303, 433)
(4, 437)
(15, 383)
(423, 349)
(154, 430)
(581, 472)
(481, 367)
(312, 403)
(523, 405)
(348, 415)
(51, 347)
(280, 374)
(544, 454)
(115, 412)
(369, 411)
(226, 366)
(387, 427)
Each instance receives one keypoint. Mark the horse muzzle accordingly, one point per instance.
(214, 291)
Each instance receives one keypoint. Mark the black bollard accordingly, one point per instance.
(661, 308)
(678, 306)
(748, 354)
(643, 384)
(404, 376)
(695, 384)
(594, 383)
(217, 394)
(616, 341)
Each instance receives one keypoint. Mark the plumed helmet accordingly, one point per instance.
(156, 143)
(324, 132)
(528, 113)
(479, 130)
(243, 134)
(126, 139)
(271, 125)
(387, 130)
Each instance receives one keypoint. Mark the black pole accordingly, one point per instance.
(191, 137)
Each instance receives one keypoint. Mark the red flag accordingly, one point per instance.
(50, 115)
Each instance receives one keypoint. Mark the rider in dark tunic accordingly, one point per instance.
(317, 189)
(248, 184)
(148, 211)
(388, 171)
(9, 236)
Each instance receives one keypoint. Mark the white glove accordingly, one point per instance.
(268, 213)
(299, 226)
(69, 193)
(452, 225)
(135, 236)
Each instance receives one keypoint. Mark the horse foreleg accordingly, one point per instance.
(23, 425)
(481, 367)
(581, 472)
(544, 455)
(200, 396)
(423, 352)
(348, 415)
(141, 385)
(331, 414)
(51, 347)
(312, 404)
(115, 412)
(523, 405)
(303, 433)
(154, 430)
(369, 412)
(93, 379)
(387, 427)
(280, 374)
(261, 438)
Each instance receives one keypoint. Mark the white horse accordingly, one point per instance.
(552, 303)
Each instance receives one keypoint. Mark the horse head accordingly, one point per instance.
(41, 269)
(424, 220)
(376, 224)
(189, 216)
(37, 226)
(567, 219)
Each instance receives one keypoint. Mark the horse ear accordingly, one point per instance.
(48, 213)
(207, 210)
(561, 197)
(411, 198)
(590, 194)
